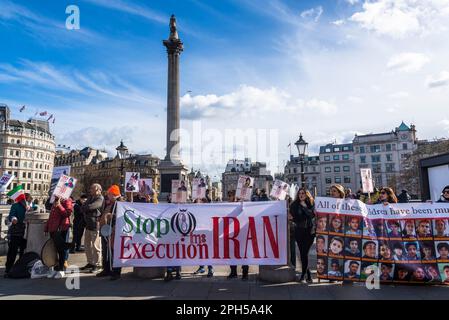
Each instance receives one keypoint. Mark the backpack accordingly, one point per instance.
(22, 268)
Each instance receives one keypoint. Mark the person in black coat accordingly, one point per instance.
(78, 224)
(303, 212)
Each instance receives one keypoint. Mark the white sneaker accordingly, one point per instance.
(51, 274)
(59, 275)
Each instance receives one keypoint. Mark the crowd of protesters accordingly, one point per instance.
(87, 216)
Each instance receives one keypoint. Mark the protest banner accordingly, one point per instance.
(407, 242)
(367, 180)
(280, 190)
(132, 181)
(58, 172)
(178, 191)
(198, 188)
(5, 181)
(145, 187)
(244, 188)
(253, 233)
(64, 188)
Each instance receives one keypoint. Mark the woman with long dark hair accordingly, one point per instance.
(387, 196)
(303, 212)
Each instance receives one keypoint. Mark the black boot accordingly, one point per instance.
(301, 279)
(309, 277)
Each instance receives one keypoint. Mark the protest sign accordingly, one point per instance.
(64, 188)
(132, 181)
(244, 188)
(145, 187)
(178, 191)
(253, 233)
(5, 181)
(198, 189)
(367, 180)
(280, 190)
(406, 243)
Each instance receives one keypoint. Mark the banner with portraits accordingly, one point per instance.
(178, 191)
(239, 233)
(280, 190)
(145, 187)
(403, 243)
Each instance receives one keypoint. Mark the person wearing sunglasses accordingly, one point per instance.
(387, 196)
(444, 195)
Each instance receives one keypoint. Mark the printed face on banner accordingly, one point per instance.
(5, 181)
(369, 248)
(336, 246)
(353, 226)
(352, 269)
(353, 247)
(394, 229)
(321, 223)
(336, 224)
(433, 273)
(385, 252)
(280, 190)
(427, 251)
(408, 229)
(321, 266)
(440, 228)
(245, 188)
(65, 187)
(145, 187)
(199, 188)
(321, 244)
(444, 272)
(132, 181)
(178, 191)
(386, 271)
(335, 268)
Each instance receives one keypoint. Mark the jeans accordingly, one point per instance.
(108, 258)
(61, 246)
(78, 231)
(15, 244)
(304, 239)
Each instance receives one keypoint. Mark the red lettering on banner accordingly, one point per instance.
(122, 247)
(145, 251)
(269, 231)
(216, 237)
(227, 238)
(252, 235)
(136, 247)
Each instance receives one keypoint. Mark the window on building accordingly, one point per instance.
(390, 167)
(16, 163)
(347, 179)
(24, 175)
(346, 148)
(404, 146)
(328, 180)
(327, 158)
(337, 179)
(375, 159)
(362, 149)
(377, 168)
(10, 163)
(336, 157)
(28, 186)
(346, 157)
(362, 159)
(327, 169)
(336, 169)
(327, 150)
(337, 149)
(389, 157)
(375, 148)
(346, 168)
(388, 147)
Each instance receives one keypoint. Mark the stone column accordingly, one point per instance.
(35, 231)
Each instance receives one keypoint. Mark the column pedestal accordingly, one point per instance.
(35, 231)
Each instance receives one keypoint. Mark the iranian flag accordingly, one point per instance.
(17, 193)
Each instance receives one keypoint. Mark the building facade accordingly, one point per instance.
(27, 150)
(257, 170)
(312, 173)
(385, 153)
(337, 167)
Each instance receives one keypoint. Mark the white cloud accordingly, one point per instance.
(338, 22)
(313, 13)
(445, 124)
(402, 18)
(408, 62)
(352, 2)
(249, 101)
(355, 99)
(399, 95)
(439, 80)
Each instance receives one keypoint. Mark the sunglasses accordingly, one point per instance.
(446, 191)
(383, 192)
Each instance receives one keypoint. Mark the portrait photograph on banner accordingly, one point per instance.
(64, 187)
(244, 188)
(5, 181)
(132, 181)
(280, 190)
(198, 188)
(145, 187)
(178, 191)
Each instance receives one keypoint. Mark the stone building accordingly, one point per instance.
(292, 173)
(385, 154)
(257, 170)
(27, 150)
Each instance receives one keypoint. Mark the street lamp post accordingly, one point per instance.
(122, 152)
(301, 145)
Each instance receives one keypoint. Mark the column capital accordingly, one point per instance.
(174, 46)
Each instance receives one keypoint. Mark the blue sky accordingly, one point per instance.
(329, 69)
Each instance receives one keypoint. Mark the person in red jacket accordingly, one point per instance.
(57, 226)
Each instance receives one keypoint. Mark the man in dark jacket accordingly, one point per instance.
(404, 197)
(78, 224)
(92, 210)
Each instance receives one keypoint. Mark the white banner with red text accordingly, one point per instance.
(149, 235)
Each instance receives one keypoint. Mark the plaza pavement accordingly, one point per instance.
(199, 287)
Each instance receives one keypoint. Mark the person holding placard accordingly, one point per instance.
(57, 226)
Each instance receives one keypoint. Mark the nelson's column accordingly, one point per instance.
(171, 168)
